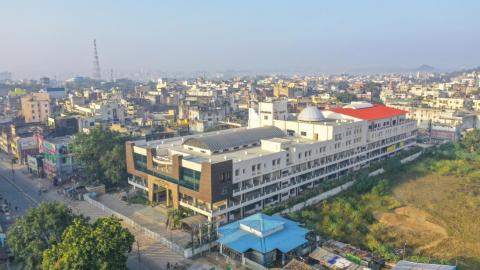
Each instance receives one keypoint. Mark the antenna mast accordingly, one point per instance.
(96, 64)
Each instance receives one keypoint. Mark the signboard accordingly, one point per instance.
(27, 143)
(48, 147)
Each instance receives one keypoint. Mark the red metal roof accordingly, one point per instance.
(373, 113)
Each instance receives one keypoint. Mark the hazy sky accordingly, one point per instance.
(55, 37)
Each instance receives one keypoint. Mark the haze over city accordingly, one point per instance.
(54, 38)
(239, 135)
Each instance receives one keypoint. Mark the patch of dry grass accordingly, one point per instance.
(451, 202)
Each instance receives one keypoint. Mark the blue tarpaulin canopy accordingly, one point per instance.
(262, 233)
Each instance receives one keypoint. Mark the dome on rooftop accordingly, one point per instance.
(310, 114)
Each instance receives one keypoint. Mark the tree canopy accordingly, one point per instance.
(346, 97)
(17, 92)
(37, 230)
(102, 245)
(343, 85)
(102, 156)
(471, 141)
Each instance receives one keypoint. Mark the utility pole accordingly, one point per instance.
(138, 251)
(13, 171)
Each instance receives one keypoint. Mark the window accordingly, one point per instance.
(265, 117)
(191, 179)
(273, 162)
(259, 166)
(237, 172)
(303, 133)
(253, 168)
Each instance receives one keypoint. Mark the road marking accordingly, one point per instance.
(20, 189)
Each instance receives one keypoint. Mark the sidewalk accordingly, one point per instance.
(153, 255)
(152, 218)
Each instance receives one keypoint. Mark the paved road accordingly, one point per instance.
(18, 189)
(21, 189)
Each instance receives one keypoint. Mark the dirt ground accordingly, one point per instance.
(441, 217)
(413, 221)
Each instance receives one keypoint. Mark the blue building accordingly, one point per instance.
(261, 240)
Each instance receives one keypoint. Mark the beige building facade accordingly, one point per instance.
(36, 107)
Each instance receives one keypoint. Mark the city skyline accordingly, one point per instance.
(246, 37)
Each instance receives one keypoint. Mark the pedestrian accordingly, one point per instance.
(175, 267)
(168, 265)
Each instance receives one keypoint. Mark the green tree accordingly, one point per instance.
(102, 245)
(375, 89)
(17, 92)
(38, 230)
(114, 165)
(471, 141)
(102, 155)
(173, 218)
(343, 85)
(346, 97)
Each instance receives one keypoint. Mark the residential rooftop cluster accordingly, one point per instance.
(223, 150)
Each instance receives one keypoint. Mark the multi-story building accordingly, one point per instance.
(449, 103)
(205, 117)
(289, 90)
(441, 124)
(58, 161)
(476, 105)
(23, 140)
(35, 107)
(108, 111)
(228, 174)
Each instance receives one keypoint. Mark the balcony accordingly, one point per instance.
(138, 183)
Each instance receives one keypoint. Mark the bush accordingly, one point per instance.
(139, 197)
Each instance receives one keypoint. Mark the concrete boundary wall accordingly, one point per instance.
(151, 234)
(187, 253)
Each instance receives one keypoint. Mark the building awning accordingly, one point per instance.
(194, 220)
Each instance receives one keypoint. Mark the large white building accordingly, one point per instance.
(229, 174)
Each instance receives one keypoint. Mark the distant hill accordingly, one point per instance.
(425, 68)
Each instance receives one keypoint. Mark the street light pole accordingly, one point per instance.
(138, 251)
(13, 171)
